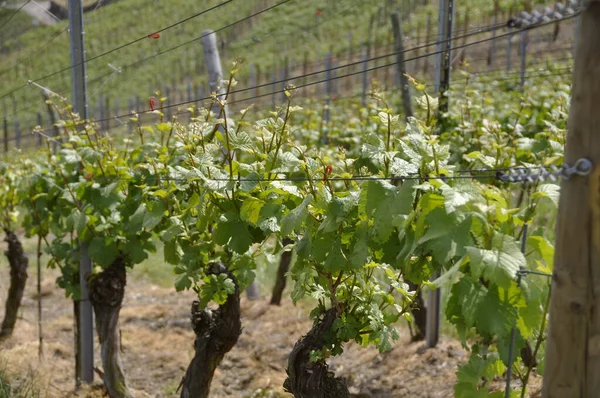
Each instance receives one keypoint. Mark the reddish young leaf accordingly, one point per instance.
(328, 171)
(151, 102)
(154, 36)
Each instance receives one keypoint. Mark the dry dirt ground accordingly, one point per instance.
(157, 347)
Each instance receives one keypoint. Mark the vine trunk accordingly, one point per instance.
(307, 379)
(18, 262)
(216, 331)
(106, 294)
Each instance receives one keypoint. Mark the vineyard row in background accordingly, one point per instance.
(548, 43)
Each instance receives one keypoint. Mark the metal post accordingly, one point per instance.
(400, 65)
(513, 332)
(215, 79)
(86, 334)
(444, 49)
(442, 80)
(213, 66)
(328, 91)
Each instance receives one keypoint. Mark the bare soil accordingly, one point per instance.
(157, 347)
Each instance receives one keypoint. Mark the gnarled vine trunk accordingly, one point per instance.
(18, 262)
(419, 313)
(308, 379)
(284, 266)
(216, 333)
(106, 294)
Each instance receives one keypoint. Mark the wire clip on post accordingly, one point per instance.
(582, 167)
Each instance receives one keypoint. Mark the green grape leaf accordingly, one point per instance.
(250, 210)
(446, 237)
(155, 215)
(173, 252)
(233, 232)
(103, 251)
(293, 220)
(384, 203)
(499, 265)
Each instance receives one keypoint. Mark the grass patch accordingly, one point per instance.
(23, 387)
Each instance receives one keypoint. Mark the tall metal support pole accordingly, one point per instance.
(215, 83)
(86, 335)
(442, 80)
(444, 49)
(213, 66)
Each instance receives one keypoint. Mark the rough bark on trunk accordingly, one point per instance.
(217, 331)
(18, 262)
(419, 313)
(106, 294)
(308, 379)
(284, 266)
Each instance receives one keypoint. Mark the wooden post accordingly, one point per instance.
(257, 89)
(400, 66)
(348, 61)
(167, 102)
(284, 76)
(463, 51)
(573, 346)
(492, 54)
(365, 82)
(508, 52)
(273, 88)
(131, 106)
(523, 57)
(17, 133)
(5, 125)
(107, 116)
(427, 40)
(252, 80)
(52, 119)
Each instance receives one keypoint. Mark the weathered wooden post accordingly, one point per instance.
(17, 128)
(573, 347)
(400, 66)
(5, 128)
(428, 38)
(365, 81)
(523, 57)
